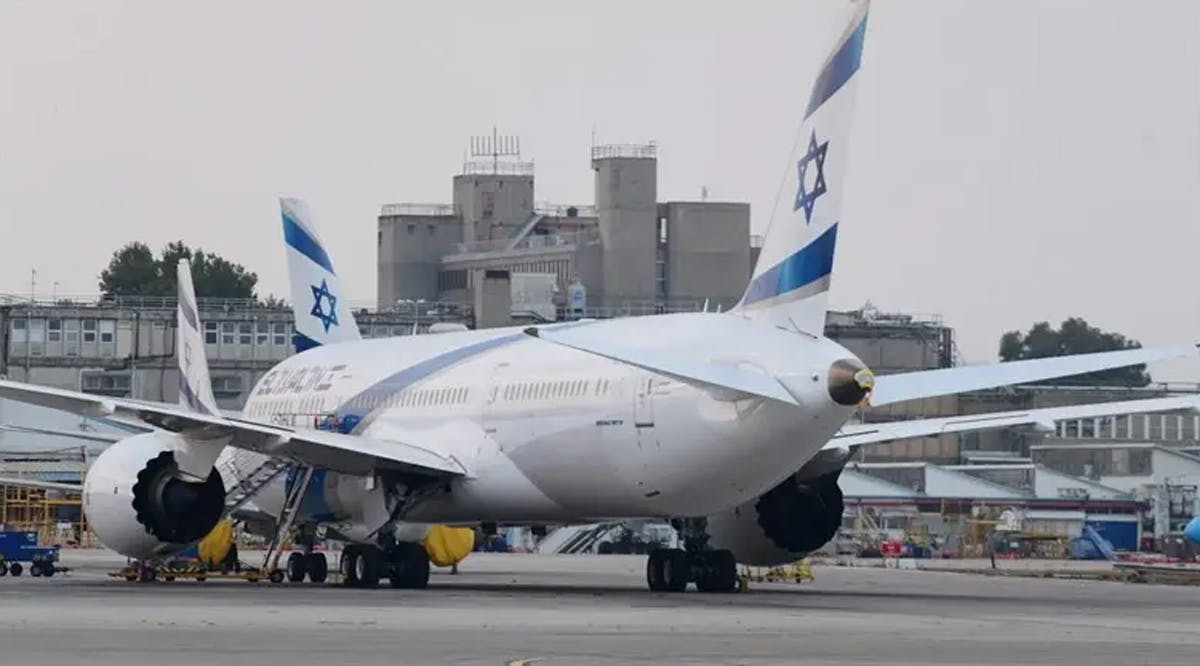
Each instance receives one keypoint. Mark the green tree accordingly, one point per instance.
(134, 270)
(1074, 336)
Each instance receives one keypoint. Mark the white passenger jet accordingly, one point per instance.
(733, 425)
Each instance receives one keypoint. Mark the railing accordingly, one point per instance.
(617, 150)
(417, 209)
(563, 210)
(138, 302)
(530, 242)
(499, 168)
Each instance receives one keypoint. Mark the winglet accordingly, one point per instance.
(195, 386)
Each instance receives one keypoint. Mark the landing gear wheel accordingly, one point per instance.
(296, 568)
(317, 566)
(668, 570)
(3, 569)
(15, 569)
(409, 566)
(348, 565)
(716, 571)
(35, 570)
(370, 566)
(48, 569)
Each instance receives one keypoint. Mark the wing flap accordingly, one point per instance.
(946, 381)
(879, 433)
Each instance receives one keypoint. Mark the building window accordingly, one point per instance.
(102, 383)
(412, 228)
(262, 334)
(54, 330)
(245, 333)
(227, 386)
(19, 332)
(210, 332)
(89, 330)
(228, 333)
(280, 333)
(108, 331)
(71, 330)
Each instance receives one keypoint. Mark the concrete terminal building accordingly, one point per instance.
(626, 253)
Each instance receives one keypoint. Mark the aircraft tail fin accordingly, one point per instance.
(322, 315)
(195, 386)
(790, 282)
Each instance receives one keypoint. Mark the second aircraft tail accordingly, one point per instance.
(322, 315)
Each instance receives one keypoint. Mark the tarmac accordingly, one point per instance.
(545, 609)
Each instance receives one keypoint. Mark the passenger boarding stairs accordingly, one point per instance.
(245, 473)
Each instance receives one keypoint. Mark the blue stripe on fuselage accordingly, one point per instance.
(813, 262)
(355, 410)
(839, 69)
(302, 242)
(356, 406)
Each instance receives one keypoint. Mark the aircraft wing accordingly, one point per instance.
(106, 437)
(38, 483)
(878, 433)
(946, 381)
(349, 454)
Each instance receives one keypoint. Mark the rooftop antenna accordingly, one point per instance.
(496, 146)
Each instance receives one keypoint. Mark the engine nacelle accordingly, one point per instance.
(787, 522)
(138, 506)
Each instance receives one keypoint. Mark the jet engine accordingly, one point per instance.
(138, 504)
(794, 518)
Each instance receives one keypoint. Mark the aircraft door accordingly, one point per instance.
(643, 403)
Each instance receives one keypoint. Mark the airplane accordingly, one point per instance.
(1192, 531)
(734, 425)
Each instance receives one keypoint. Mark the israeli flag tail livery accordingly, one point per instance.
(195, 387)
(790, 283)
(322, 315)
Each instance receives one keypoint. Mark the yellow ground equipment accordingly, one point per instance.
(214, 548)
(797, 572)
(447, 546)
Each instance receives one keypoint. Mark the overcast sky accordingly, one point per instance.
(1012, 160)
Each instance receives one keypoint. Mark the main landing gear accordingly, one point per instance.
(671, 569)
(405, 565)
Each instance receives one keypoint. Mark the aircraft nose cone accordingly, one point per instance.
(850, 382)
(1192, 531)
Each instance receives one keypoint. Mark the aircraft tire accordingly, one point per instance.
(717, 571)
(668, 570)
(15, 569)
(296, 567)
(317, 566)
(409, 567)
(370, 566)
(348, 565)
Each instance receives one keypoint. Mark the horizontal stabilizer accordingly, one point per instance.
(947, 381)
(721, 377)
(879, 433)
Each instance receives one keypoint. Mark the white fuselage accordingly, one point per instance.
(550, 434)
